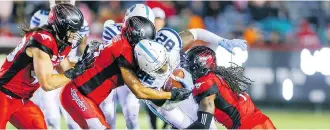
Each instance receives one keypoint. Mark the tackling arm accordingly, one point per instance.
(138, 89)
(205, 113)
(64, 66)
(44, 71)
(189, 36)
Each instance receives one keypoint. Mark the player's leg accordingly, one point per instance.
(108, 107)
(29, 116)
(175, 117)
(68, 120)
(5, 109)
(152, 118)
(36, 98)
(51, 108)
(130, 106)
(268, 124)
(82, 110)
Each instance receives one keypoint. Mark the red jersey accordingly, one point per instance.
(17, 78)
(98, 81)
(232, 110)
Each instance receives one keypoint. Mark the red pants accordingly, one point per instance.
(22, 113)
(266, 125)
(83, 110)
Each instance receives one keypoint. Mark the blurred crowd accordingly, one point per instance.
(261, 23)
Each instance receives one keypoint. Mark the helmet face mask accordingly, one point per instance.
(66, 20)
(162, 70)
(75, 38)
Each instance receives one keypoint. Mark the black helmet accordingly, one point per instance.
(199, 61)
(137, 28)
(65, 20)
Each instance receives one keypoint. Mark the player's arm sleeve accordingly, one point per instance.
(33, 42)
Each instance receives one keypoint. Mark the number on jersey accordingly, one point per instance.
(144, 77)
(165, 41)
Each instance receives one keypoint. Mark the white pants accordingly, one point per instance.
(50, 105)
(180, 117)
(129, 103)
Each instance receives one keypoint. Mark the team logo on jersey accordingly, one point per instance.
(198, 85)
(76, 98)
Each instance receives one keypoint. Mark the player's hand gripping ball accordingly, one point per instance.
(172, 82)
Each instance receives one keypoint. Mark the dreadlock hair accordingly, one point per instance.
(234, 77)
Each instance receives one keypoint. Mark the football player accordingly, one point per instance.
(156, 75)
(112, 29)
(32, 62)
(219, 91)
(113, 67)
(52, 111)
(129, 103)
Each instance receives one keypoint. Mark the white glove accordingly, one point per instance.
(186, 82)
(230, 44)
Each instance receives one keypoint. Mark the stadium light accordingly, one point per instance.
(316, 96)
(287, 89)
(324, 62)
(307, 62)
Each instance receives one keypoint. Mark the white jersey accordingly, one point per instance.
(171, 40)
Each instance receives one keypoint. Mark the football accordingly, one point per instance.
(172, 83)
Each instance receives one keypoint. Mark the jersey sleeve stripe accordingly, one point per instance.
(36, 18)
(111, 30)
(36, 22)
(105, 38)
(108, 33)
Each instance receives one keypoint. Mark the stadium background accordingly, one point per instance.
(288, 56)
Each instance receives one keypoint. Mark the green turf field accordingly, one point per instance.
(287, 119)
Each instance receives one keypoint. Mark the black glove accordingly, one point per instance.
(85, 62)
(179, 94)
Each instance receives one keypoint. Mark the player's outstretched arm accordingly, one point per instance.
(143, 92)
(44, 70)
(205, 113)
(189, 36)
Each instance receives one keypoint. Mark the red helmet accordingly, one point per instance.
(199, 61)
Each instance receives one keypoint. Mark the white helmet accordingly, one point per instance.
(140, 10)
(171, 40)
(152, 58)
